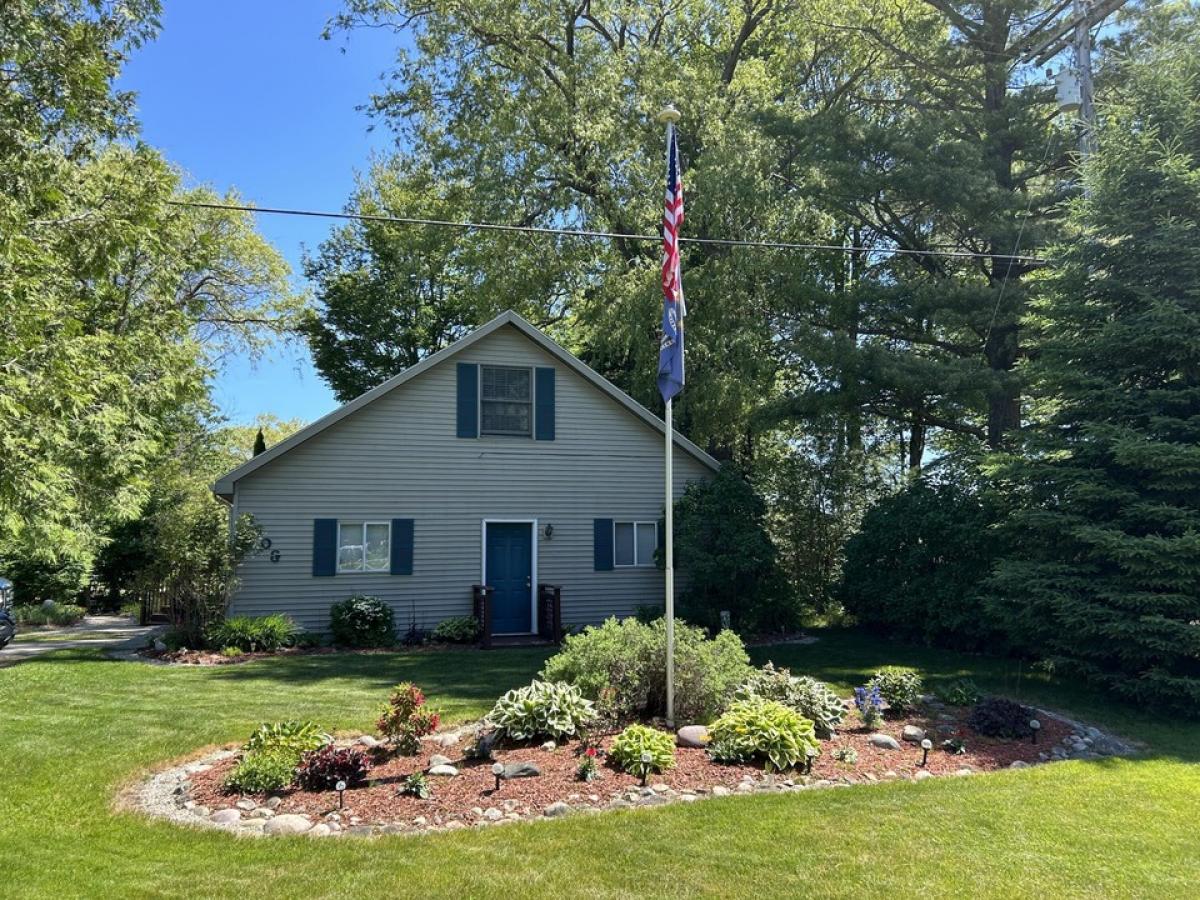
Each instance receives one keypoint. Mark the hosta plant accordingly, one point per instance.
(960, 692)
(846, 755)
(258, 773)
(813, 699)
(762, 729)
(900, 688)
(542, 709)
(290, 740)
(406, 719)
(640, 750)
(322, 769)
(415, 785)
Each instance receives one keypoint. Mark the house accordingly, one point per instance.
(501, 460)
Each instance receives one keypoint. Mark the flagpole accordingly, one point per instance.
(669, 117)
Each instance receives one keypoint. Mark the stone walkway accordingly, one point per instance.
(117, 633)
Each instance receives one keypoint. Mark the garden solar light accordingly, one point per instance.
(926, 746)
(340, 787)
(498, 771)
(1035, 726)
(646, 760)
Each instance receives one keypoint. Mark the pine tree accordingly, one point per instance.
(260, 443)
(1105, 579)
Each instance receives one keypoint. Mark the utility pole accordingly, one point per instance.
(1083, 65)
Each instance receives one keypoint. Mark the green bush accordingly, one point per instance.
(415, 785)
(623, 663)
(915, 567)
(721, 539)
(263, 633)
(960, 692)
(287, 739)
(362, 621)
(813, 699)
(900, 688)
(543, 709)
(457, 630)
(57, 614)
(406, 719)
(258, 773)
(762, 729)
(231, 652)
(1000, 717)
(628, 746)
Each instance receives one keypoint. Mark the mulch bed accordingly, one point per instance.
(471, 794)
(213, 658)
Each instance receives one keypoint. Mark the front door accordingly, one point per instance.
(510, 573)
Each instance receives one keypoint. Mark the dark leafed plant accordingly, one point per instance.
(405, 719)
(1000, 717)
(323, 768)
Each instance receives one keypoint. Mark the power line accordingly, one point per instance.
(602, 235)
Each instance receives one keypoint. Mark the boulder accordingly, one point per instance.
(439, 760)
(320, 830)
(555, 810)
(368, 741)
(884, 742)
(287, 824)
(549, 746)
(444, 770)
(520, 770)
(226, 816)
(692, 736)
(720, 791)
(1019, 764)
(246, 804)
(913, 734)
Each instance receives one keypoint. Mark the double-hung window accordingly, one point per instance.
(634, 543)
(506, 400)
(364, 546)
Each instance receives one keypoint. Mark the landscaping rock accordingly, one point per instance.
(884, 742)
(287, 824)
(922, 775)
(320, 830)
(226, 816)
(521, 770)
(492, 814)
(720, 791)
(692, 736)
(160, 645)
(261, 812)
(446, 770)
(913, 734)
(202, 811)
(438, 760)
(1019, 764)
(486, 743)
(555, 810)
(273, 802)
(368, 741)
(246, 804)
(548, 746)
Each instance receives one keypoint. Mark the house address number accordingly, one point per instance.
(265, 544)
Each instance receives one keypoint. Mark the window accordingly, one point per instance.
(506, 401)
(634, 543)
(364, 546)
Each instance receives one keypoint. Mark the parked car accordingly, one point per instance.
(8, 625)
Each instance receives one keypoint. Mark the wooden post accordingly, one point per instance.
(483, 613)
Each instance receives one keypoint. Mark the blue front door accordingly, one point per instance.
(510, 573)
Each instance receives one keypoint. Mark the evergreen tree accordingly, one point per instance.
(260, 443)
(1105, 575)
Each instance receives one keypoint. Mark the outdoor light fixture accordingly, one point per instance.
(340, 787)
(810, 756)
(926, 746)
(646, 760)
(1035, 726)
(498, 771)
(548, 531)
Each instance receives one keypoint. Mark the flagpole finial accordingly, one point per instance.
(669, 116)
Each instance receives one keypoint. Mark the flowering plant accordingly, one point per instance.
(405, 720)
(588, 770)
(869, 703)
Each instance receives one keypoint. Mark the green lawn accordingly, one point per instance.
(74, 728)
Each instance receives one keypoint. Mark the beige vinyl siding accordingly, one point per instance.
(398, 457)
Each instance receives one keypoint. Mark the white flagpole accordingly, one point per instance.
(669, 117)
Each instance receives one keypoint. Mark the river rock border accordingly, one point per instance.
(167, 794)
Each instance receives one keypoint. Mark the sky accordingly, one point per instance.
(245, 94)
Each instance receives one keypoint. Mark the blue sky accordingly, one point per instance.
(246, 95)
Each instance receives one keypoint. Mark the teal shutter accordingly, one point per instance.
(543, 413)
(324, 556)
(602, 544)
(402, 546)
(468, 400)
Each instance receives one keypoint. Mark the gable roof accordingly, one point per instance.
(224, 486)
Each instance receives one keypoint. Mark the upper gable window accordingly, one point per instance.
(506, 400)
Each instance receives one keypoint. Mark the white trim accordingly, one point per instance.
(224, 487)
(533, 565)
(386, 570)
(635, 523)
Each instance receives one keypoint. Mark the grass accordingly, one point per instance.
(75, 728)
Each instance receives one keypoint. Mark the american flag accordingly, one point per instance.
(670, 355)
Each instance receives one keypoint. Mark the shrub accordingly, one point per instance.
(415, 785)
(813, 699)
(248, 633)
(458, 630)
(361, 621)
(915, 567)
(1000, 717)
(900, 688)
(231, 652)
(323, 768)
(258, 773)
(721, 539)
(290, 740)
(405, 720)
(869, 704)
(57, 614)
(960, 692)
(625, 661)
(762, 729)
(628, 746)
(543, 709)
